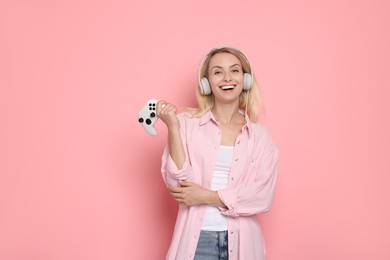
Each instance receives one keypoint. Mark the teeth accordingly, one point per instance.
(227, 87)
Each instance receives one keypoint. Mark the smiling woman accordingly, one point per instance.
(223, 182)
(226, 77)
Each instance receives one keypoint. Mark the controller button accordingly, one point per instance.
(152, 114)
(148, 121)
(141, 120)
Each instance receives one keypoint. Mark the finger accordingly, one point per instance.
(168, 109)
(174, 189)
(177, 196)
(184, 183)
(161, 104)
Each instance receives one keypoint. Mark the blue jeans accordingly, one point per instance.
(212, 245)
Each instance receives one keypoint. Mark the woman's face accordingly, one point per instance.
(226, 76)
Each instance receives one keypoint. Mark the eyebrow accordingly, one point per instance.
(219, 67)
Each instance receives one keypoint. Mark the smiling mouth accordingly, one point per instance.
(227, 87)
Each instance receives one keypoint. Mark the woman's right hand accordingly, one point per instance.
(167, 113)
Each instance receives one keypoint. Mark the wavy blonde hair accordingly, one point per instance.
(250, 101)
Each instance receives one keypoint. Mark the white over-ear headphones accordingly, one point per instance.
(204, 84)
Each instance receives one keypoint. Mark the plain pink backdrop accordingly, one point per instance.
(79, 177)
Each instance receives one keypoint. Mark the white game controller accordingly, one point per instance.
(148, 116)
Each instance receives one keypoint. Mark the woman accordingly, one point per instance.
(219, 164)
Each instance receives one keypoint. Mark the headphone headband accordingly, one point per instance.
(200, 67)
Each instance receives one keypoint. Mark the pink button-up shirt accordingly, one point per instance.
(249, 190)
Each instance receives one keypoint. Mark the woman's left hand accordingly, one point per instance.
(189, 193)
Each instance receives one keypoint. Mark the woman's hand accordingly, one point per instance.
(167, 113)
(190, 194)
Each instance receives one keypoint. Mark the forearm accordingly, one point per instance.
(211, 198)
(176, 149)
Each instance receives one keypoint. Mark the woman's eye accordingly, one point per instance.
(236, 70)
(216, 72)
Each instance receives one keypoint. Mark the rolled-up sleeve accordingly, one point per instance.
(256, 195)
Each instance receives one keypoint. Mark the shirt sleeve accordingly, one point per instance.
(170, 173)
(254, 196)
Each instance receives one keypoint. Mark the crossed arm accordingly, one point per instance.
(191, 194)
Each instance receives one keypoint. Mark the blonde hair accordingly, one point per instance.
(250, 101)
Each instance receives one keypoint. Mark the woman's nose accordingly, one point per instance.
(226, 77)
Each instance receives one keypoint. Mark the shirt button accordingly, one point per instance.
(231, 232)
(232, 178)
(238, 142)
(236, 159)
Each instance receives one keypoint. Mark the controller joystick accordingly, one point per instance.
(147, 116)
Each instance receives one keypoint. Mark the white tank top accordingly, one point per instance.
(214, 220)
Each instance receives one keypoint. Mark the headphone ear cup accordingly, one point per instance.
(204, 86)
(248, 81)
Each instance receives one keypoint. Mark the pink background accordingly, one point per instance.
(79, 177)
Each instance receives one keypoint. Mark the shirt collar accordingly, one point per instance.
(210, 117)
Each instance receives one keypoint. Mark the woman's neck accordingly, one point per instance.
(227, 114)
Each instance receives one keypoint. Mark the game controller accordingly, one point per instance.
(148, 116)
